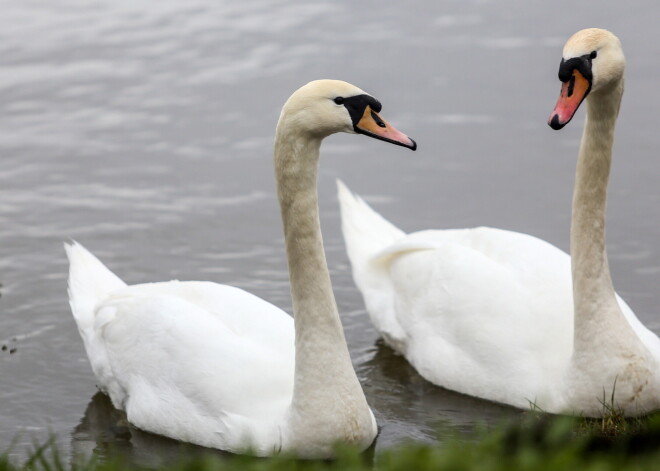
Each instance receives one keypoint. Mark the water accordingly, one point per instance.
(144, 130)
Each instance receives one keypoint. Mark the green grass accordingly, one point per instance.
(612, 424)
(538, 443)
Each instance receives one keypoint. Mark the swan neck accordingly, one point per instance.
(595, 304)
(324, 376)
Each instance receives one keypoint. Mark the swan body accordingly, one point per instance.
(506, 316)
(216, 366)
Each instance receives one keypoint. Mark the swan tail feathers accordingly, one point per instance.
(90, 282)
(366, 233)
(368, 236)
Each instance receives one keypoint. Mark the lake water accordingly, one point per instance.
(144, 130)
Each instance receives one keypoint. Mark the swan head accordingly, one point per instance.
(325, 107)
(592, 63)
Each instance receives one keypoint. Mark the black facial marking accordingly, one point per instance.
(582, 64)
(357, 104)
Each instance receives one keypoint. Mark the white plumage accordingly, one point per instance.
(216, 366)
(491, 313)
(482, 311)
(196, 361)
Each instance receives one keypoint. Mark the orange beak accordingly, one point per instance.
(371, 124)
(573, 92)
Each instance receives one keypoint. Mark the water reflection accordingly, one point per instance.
(410, 408)
(145, 131)
(104, 433)
(407, 408)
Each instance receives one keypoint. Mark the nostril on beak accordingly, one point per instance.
(379, 121)
(571, 86)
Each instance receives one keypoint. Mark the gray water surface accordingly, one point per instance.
(144, 130)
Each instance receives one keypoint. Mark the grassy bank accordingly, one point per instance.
(539, 443)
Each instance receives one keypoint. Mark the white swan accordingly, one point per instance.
(216, 366)
(489, 312)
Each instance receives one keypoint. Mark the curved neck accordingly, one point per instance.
(597, 312)
(324, 373)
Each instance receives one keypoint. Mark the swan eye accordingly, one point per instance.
(339, 100)
(593, 54)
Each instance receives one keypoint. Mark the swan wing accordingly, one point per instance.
(477, 309)
(217, 375)
(474, 310)
(195, 361)
(482, 311)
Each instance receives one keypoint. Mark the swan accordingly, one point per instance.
(489, 312)
(216, 366)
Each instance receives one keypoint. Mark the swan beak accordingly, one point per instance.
(372, 125)
(573, 92)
